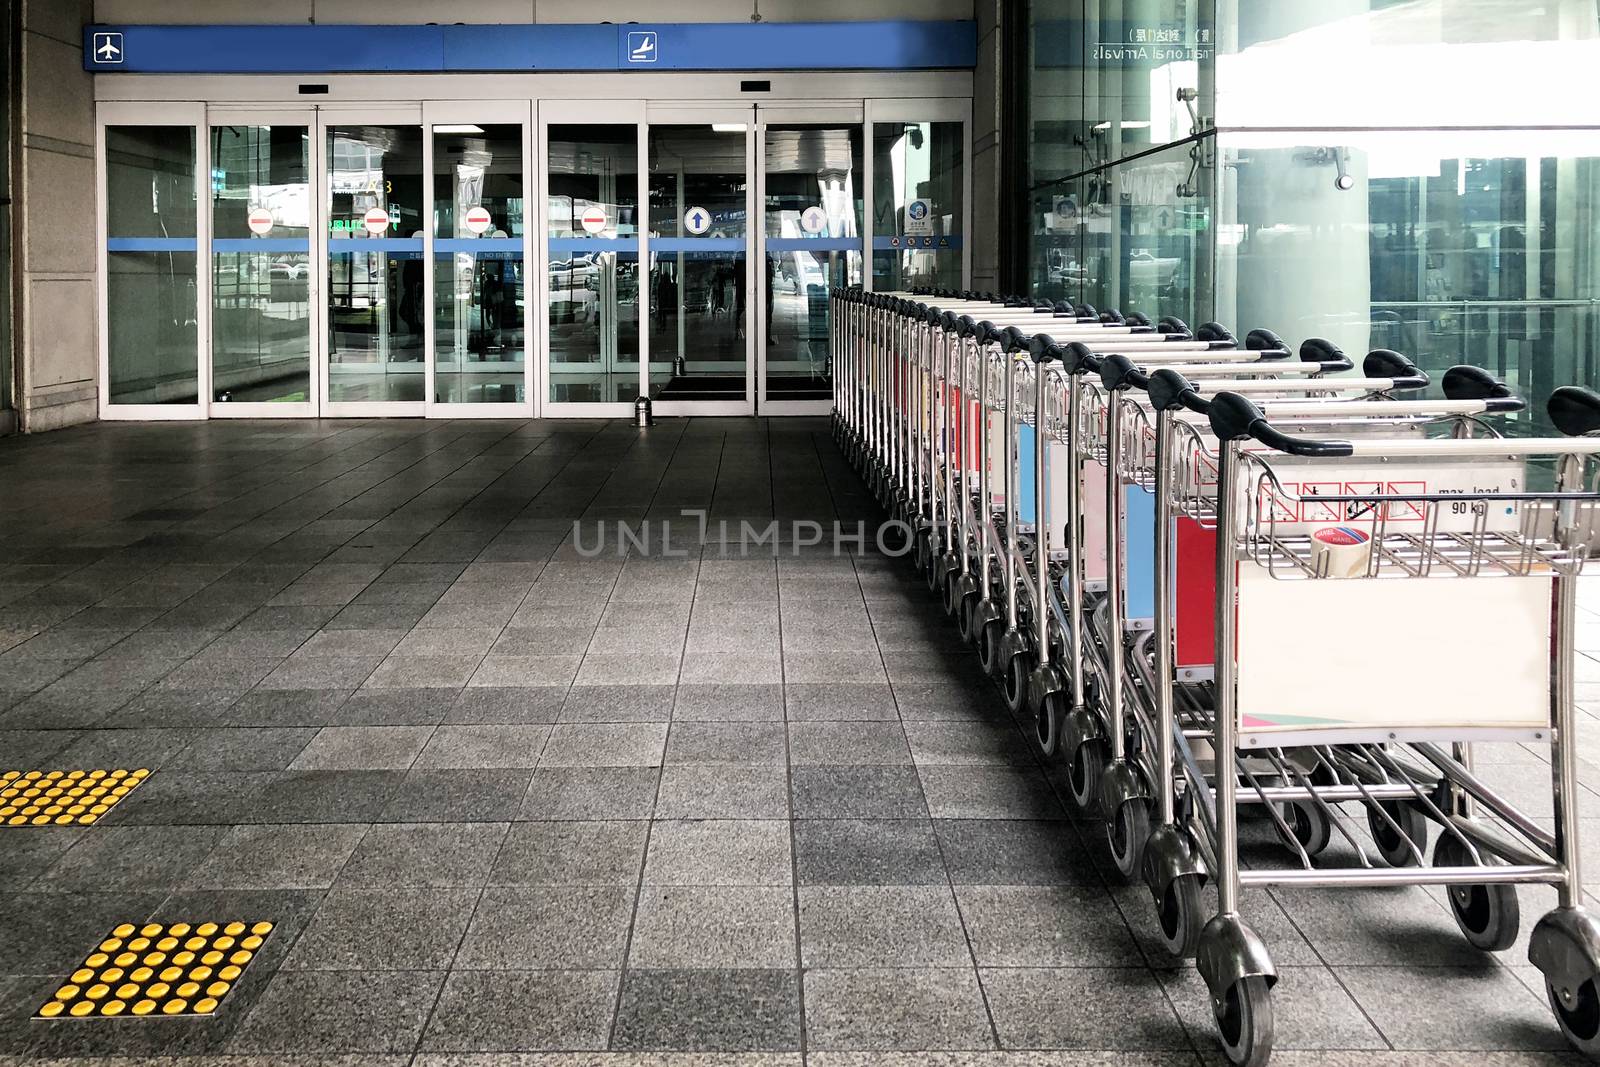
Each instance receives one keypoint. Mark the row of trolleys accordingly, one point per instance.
(1218, 576)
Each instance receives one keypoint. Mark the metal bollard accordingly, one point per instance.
(642, 415)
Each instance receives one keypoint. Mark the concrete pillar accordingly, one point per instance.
(56, 348)
(985, 162)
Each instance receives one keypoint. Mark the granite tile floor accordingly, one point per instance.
(684, 806)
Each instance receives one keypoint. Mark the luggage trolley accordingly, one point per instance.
(1435, 545)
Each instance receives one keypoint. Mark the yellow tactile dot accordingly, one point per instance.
(155, 959)
(196, 943)
(128, 990)
(212, 958)
(262, 927)
(52, 1009)
(157, 989)
(224, 942)
(200, 974)
(17, 820)
(167, 944)
(124, 930)
(179, 929)
(63, 820)
(112, 974)
(125, 959)
(252, 942)
(188, 989)
(216, 989)
(172, 974)
(97, 991)
(96, 959)
(233, 929)
(206, 1006)
(33, 775)
(139, 944)
(111, 944)
(229, 973)
(82, 1008)
(41, 820)
(87, 819)
(183, 959)
(67, 992)
(206, 929)
(82, 975)
(174, 1007)
(144, 1007)
(242, 957)
(112, 1007)
(140, 974)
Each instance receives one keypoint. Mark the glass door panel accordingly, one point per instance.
(700, 334)
(479, 277)
(812, 199)
(918, 204)
(151, 331)
(261, 229)
(375, 296)
(592, 257)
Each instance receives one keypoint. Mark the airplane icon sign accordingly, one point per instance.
(642, 46)
(108, 48)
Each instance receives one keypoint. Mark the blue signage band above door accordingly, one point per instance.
(902, 44)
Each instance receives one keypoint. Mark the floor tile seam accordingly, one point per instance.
(1294, 924)
(466, 927)
(794, 849)
(633, 917)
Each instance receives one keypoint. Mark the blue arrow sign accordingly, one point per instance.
(697, 220)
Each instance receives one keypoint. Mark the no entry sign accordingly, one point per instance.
(478, 219)
(376, 221)
(259, 220)
(594, 218)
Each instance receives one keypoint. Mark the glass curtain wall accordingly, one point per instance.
(260, 264)
(151, 332)
(592, 245)
(479, 343)
(1421, 207)
(916, 205)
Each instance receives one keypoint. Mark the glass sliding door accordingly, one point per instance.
(699, 286)
(261, 265)
(150, 343)
(480, 280)
(376, 300)
(591, 317)
(811, 194)
(919, 194)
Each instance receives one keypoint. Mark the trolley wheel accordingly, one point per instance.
(989, 647)
(1487, 914)
(1395, 849)
(1181, 916)
(947, 591)
(1577, 1012)
(930, 570)
(1084, 771)
(966, 618)
(1311, 826)
(1244, 1021)
(1016, 684)
(1047, 725)
(1126, 831)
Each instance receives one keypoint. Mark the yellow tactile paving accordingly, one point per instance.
(118, 978)
(63, 798)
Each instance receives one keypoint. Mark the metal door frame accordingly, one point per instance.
(261, 409)
(681, 113)
(400, 114)
(503, 112)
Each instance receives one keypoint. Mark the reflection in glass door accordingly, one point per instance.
(699, 289)
(375, 304)
(591, 250)
(811, 199)
(918, 202)
(261, 272)
(479, 280)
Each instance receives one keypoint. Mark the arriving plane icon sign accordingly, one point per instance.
(108, 48)
(642, 46)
